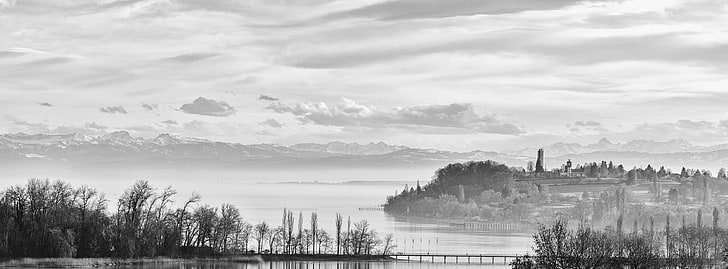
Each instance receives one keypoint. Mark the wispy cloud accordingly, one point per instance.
(45, 104)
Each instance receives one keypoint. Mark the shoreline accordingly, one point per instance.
(112, 262)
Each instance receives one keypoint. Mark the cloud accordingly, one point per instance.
(264, 97)
(207, 107)
(724, 123)
(191, 57)
(453, 116)
(589, 123)
(272, 123)
(113, 109)
(45, 104)
(170, 122)
(414, 9)
(150, 107)
(95, 126)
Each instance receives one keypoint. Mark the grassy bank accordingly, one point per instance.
(99, 262)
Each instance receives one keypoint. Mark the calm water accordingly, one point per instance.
(316, 265)
(258, 202)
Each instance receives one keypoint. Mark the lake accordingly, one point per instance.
(265, 202)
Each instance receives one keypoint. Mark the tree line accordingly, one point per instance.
(53, 219)
(697, 245)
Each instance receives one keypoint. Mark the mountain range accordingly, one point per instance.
(645, 146)
(121, 150)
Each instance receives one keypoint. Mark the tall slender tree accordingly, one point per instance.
(284, 225)
(300, 232)
(314, 229)
(339, 221)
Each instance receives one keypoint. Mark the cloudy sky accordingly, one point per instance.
(456, 74)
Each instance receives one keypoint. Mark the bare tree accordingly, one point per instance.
(274, 238)
(245, 232)
(261, 230)
(388, 244)
(182, 217)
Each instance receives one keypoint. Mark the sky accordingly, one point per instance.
(454, 75)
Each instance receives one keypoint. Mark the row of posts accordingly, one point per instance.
(457, 258)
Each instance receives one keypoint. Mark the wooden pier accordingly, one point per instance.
(371, 209)
(494, 226)
(455, 258)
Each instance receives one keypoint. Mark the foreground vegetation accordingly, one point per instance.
(53, 219)
(678, 246)
(99, 262)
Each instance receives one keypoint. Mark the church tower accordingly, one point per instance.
(539, 162)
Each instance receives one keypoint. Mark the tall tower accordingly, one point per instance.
(539, 162)
(568, 167)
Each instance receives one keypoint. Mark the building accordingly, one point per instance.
(568, 170)
(539, 162)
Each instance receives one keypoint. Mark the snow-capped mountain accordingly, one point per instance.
(349, 148)
(646, 146)
(121, 150)
(172, 150)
